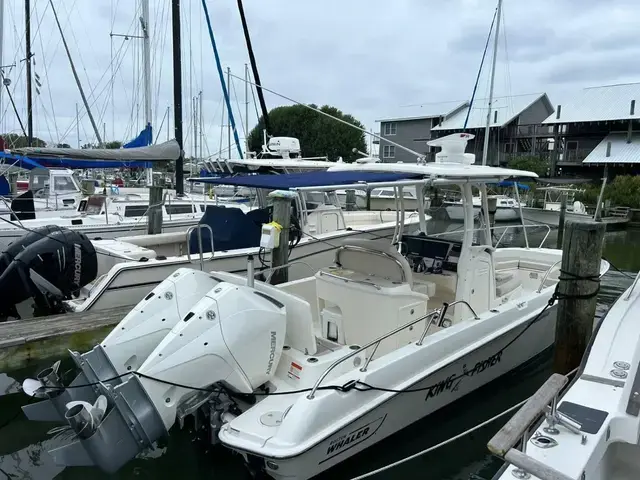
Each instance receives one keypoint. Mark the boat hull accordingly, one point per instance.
(549, 217)
(103, 231)
(503, 214)
(127, 283)
(447, 385)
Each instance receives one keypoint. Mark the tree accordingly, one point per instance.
(63, 145)
(319, 135)
(113, 144)
(13, 140)
(533, 164)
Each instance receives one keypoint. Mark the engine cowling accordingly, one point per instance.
(63, 262)
(233, 335)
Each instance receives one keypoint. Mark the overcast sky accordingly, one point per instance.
(366, 57)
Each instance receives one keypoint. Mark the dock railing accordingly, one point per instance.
(516, 431)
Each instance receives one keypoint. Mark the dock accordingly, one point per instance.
(24, 342)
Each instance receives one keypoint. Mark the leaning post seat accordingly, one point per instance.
(232, 228)
(374, 257)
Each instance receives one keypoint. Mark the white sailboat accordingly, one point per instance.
(300, 376)
(593, 430)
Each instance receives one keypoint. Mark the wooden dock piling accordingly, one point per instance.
(582, 251)
(281, 215)
(154, 219)
(350, 201)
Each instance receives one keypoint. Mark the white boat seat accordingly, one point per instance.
(376, 258)
(506, 282)
(425, 287)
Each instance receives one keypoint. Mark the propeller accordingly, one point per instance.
(45, 380)
(85, 418)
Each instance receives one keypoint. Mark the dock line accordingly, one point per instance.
(449, 440)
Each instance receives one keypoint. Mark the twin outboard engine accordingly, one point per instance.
(49, 264)
(193, 340)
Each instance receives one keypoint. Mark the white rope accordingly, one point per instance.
(441, 444)
(449, 440)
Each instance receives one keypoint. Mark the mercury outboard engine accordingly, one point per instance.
(49, 269)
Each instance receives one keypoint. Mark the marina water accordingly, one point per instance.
(24, 445)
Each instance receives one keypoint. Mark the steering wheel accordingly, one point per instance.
(39, 193)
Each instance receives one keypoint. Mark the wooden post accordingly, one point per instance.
(368, 199)
(563, 212)
(350, 202)
(282, 215)
(581, 254)
(154, 215)
(13, 183)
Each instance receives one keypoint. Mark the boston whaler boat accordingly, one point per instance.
(592, 431)
(303, 375)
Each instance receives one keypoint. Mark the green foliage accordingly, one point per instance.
(624, 191)
(113, 144)
(319, 135)
(13, 140)
(533, 164)
(63, 145)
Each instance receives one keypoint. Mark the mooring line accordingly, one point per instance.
(449, 440)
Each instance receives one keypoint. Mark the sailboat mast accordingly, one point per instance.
(487, 132)
(177, 94)
(75, 76)
(246, 110)
(254, 67)
(146, 74)
(27, 19)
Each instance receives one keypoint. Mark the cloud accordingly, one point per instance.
(366, 57)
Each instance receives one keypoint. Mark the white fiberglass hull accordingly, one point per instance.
(94, 231)
(549, 217)
(127, 283)
(503, 214)
(461, 373)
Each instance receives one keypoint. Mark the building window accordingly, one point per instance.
(572, 145)
(388, 151)
(390, 128)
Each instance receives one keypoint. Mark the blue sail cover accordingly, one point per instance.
(306, 179)
(144, 139)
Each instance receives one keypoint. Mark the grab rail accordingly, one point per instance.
(544, 278)
(370, 344)
(524, 227)
(346, 280)
(506, 227)
(442, 313)
(199, 228)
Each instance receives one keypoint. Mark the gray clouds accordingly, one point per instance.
(366, 57)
